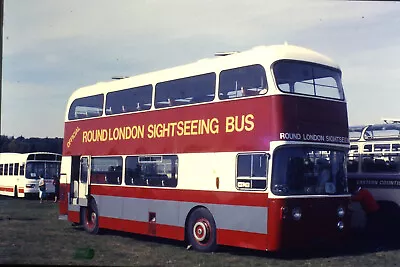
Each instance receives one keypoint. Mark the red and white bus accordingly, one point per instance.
(19, 172)
(223, 151)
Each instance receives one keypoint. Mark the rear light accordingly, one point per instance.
(30, 185)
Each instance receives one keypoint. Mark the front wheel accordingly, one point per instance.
(201, 231)
(91, 218)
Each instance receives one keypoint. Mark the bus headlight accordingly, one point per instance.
(296, 213)
(340, 225)
(30, 185)
(341, 212)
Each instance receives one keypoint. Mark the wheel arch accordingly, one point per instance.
(190, 214)
(82, 208)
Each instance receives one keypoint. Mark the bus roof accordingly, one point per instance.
(260, 54)
(10, 157)
(375, 131)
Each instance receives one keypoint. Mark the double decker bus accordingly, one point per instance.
(224, 151)
(374, 163)
(19, 172)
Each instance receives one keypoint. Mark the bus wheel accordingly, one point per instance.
(91, 218)
(201, 231)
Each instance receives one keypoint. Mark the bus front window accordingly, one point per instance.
(305, 78)
(309, 171)
(48, 169)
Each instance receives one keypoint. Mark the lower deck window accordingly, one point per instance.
(106, 170)
(251, 171)
(160, 171)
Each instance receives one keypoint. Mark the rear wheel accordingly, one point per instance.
(201, 231)
(15, 192)
(91, 218)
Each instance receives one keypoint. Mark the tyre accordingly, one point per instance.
(15, 192)
(201, 231)
(91, 218)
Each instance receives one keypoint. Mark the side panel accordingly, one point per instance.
(239, 125)
(128, 209)
(7, 184)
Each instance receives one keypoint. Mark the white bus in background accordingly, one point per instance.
(374, 163)
(19, 172)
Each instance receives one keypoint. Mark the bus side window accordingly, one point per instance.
(251, 172)
(5, 169)
(106, 170)
(10, 169)
(128, 100)
(16, 168)
(159, 171)
(352, 165)
(367, 164)
(242, 82)
(91, 106)
(183, 91)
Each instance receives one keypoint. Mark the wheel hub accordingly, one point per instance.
(93, 217)
(201, 231)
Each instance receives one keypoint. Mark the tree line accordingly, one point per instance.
(27, 145)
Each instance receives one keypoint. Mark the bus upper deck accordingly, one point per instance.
(282, 82)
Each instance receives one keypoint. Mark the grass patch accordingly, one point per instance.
(32, 234)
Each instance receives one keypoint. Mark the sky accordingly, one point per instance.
(53, 47)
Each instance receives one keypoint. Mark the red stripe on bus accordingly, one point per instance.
(197, 196)
(242, 239)
(21, 190)
(7, 189)
(251, 127)
(224, 237)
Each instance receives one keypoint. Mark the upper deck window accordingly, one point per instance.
(190, 90)
(129, 100)
(242, 82)
(308, 79)
(86, 107)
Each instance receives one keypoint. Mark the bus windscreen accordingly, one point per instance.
(309, 171)
(49, 170)
(308, 79)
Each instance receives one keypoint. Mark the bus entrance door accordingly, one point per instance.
(81, 186)
(83, 182)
